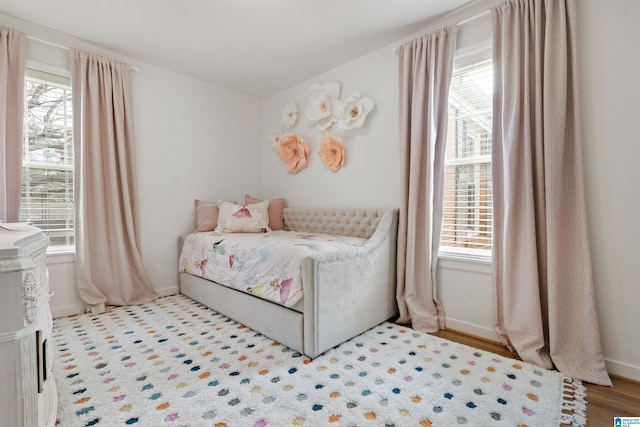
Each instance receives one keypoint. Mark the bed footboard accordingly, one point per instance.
(349, 292)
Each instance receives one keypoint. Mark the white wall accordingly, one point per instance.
(369, 177)
(609, 61)
(193, 140)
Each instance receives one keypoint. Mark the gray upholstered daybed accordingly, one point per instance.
(344, 292)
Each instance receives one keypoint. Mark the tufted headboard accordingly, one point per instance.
(345, 222)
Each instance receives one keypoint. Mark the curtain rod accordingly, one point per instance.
(473, 18)
(463, 22)
(59, 46)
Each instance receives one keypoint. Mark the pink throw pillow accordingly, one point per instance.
(206, 216)
(276, 221)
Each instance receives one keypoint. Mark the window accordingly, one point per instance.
(47, 163)
(467, 219)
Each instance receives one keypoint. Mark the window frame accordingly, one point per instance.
(59, 77)
(463, 58)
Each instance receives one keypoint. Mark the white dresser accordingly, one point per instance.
(27, 388)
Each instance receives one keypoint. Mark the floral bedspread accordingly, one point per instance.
(266, 265)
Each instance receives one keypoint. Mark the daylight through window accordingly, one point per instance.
(47, 164)
(467, 223)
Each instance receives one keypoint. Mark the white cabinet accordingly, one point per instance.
(27, 388)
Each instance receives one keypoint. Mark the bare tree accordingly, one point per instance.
(47, 191)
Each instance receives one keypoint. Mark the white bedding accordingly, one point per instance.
(266, 265)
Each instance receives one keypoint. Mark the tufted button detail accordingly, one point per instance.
(347, 222)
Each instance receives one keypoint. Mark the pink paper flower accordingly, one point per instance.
(293, 151)
(332, 152)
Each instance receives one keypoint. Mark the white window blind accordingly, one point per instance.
(47, 164)
(468, 214)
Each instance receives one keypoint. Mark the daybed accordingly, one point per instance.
(345, 292)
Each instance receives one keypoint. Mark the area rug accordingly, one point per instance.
(174, 362)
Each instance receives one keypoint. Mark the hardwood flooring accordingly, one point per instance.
(603, 403)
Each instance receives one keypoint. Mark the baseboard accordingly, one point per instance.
(614, 367)
(67, 310)
(70, 310)
(472, 329)
(623, 370)
(165, 292)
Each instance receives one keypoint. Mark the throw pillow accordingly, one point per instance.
(276, 206)
(206, 216)
(234, 218)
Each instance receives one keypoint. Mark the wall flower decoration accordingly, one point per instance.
(289, 115)
(293, 151)
(352, 112)
(331, 152)
(323, 104)
(274, 138)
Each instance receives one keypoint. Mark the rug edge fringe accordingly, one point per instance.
(573, 410)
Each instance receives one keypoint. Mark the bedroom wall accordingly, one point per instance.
(608, 60)
(369, 177)
(192, 141)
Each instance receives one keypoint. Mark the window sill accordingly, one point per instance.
(61, 257)
(460, 262)
(461, 256)
(61, 249)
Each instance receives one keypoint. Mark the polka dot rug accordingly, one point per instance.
(175, 362)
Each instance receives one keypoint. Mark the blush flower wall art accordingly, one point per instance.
(323, 104)
(293, 151)
(289, 115)
(331, 152)
(274, 138)
(324, 108)
(352, 112)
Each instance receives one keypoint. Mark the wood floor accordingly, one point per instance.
(603, 403)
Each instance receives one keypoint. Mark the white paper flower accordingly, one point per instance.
(274, 138)
(289, 115)
(352, 112)
(323, 104)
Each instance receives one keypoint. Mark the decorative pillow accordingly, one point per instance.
(224, 208)
(276, 221)
(234, 218)
(206, 216)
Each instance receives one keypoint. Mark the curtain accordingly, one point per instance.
(12, 59)
(426, 66)
(545, 306)
(109, 267)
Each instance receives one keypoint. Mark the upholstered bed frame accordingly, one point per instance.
(345, 292)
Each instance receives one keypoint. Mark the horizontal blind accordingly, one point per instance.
(47, 164)
(468, 213)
